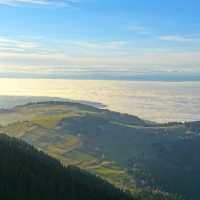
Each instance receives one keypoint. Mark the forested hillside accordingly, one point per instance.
(27, 173)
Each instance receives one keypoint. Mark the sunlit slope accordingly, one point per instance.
(53, 108)
(33, 111)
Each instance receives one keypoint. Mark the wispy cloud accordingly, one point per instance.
(11, 46)
(178, 39)
(14, 44)
(31, 37)
(76, 1)
(10, 49)
(34, 3)
(117, 54)
(140, 30)
(109, 45)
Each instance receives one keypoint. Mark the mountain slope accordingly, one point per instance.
(27, 174)
(129, 155)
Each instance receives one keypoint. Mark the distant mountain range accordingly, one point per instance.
(136, 77)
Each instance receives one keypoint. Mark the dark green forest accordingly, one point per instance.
(27, 173)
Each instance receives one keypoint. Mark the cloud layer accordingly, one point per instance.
(153, 101)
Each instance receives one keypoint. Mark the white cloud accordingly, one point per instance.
(10, 49)
(31, 37)
(37, 3)
(12, 45)
(178, 39)
(140, 30)
(109, 45)
(76, 1)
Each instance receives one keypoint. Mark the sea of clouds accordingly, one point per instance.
(149, 100)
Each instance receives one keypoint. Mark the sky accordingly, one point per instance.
(93, 37)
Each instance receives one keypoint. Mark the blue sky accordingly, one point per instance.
(91, 36)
